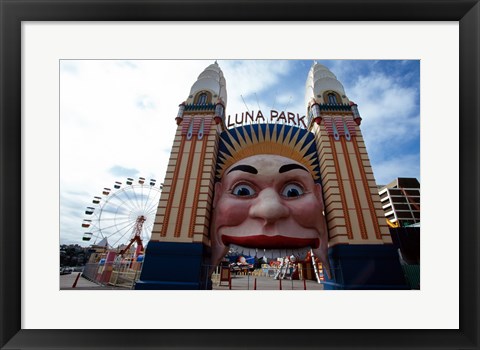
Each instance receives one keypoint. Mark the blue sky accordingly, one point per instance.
(117, 118)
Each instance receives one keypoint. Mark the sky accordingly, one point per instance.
(117, 118)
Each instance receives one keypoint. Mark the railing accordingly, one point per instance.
(200, 107)
(122, 276)
(264, 278)
(335, 107)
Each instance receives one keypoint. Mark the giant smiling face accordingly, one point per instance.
(268, 203)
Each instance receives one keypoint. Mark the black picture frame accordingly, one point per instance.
(13, 12)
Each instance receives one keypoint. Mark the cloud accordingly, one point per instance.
(145, 102)
(285, 100)
(388, 96)
(267, 73)
(389, 169)
(120, 171)
(104, 136)
(255, 81)
(72, 213)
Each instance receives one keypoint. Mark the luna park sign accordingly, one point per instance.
(273, 117)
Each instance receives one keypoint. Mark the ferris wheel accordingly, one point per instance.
(123, 215)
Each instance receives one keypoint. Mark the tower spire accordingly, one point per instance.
(210, 82)
(181, 229)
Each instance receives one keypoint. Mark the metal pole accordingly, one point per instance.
(76, 280)
(206, 276)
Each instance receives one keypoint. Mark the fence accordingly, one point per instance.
(121, 275)
(266, 277)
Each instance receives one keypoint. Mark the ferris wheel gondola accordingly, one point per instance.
(123, 215)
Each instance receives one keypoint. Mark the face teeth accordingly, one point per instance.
(269, 253)
(243, 250)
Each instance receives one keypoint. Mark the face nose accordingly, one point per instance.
(268, 206)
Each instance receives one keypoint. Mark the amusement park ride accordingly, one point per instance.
(120, 219)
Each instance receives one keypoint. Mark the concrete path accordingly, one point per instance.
(67, 281)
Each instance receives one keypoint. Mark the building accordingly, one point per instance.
(401, 202)
(353, 208)
(360, 250)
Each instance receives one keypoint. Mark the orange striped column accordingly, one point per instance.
(352, 205)
(183, 213)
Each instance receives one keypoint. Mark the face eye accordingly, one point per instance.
(243, 190)
(292, 191)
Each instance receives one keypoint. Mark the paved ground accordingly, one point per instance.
(240, 282)
(67, 281)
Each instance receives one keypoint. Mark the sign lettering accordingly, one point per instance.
(273, 117)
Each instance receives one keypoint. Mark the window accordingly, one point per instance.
(332, 99)
(202, 99)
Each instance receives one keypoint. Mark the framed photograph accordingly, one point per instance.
(36, 36)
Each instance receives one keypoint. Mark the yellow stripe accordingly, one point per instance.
(181, 209)
(168, 209)
(197, 189)
(353, 186)
(371, 205)
(342, 191)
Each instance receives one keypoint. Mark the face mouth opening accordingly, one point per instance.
(271, 246)
(271, 242)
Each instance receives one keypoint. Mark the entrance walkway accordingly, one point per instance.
(246, 282)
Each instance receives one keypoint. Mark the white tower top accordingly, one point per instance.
(211, 82)
(320, 83)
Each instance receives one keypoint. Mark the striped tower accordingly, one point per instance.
(360, 245)
(178, 252)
